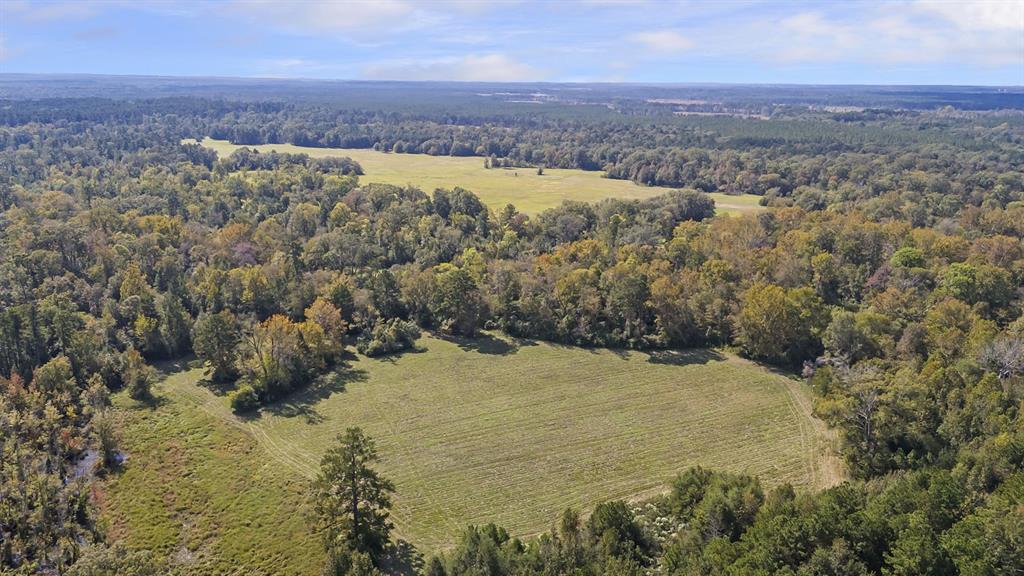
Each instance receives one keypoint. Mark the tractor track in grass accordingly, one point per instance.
(515, 438)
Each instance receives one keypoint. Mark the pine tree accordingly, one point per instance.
(351, 500)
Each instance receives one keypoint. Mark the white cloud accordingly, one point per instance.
(897, 33)
(363, 21)
(810, 37)
(470, 68)
(663, 41)
(978, 15)
(38, 12)
(299, 68)
(49, 11)
(287, 66)
(4, 52)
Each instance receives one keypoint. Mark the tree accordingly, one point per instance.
(174, 322)
(765, 322)
(1005, 357)
(839, 560)
(389, 336)
(386, 295)
(948, 325)
(352, 501)
(457, 305)
(215, 339)
(855, 336)
(349, 563)
(780, 325)
(54, 378)
(917, 551)
(137, 376)
(276, 357)
(322, 332)
(436, 566)
(107, 438)
(478, 552)
(614, 529)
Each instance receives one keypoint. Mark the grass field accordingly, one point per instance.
(470, 432)
(522, 187)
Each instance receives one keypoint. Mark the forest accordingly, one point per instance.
(887, 271)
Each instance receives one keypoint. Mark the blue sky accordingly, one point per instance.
(897, 41)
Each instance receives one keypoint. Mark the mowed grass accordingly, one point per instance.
(199, 491)
(469, 431)
(521, 187)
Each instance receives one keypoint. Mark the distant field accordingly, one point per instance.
(470, 432)
(522, 187)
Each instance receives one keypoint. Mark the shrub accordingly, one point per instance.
(244, 399)
(388, 337)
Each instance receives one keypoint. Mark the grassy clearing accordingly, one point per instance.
(470, 432)
(197, 489)
(522, 187)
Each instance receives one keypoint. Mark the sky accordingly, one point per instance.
(979, 42)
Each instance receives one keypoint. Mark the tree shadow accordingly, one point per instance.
(621, 353)
(345, 357)
(151, 402)
(684, 357)
(217, 388)
(165, 368)
(402, 559)
(301, 402)
(484, 343)
(392, 357)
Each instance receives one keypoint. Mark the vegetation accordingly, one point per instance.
(530, 190)
(204, 496)
(464, 425)
(352, 501)
(389, 336)
(887, 269)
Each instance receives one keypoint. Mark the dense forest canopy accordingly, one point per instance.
(888, 271)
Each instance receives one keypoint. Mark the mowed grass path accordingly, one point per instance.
(471, 432)
(522, 187)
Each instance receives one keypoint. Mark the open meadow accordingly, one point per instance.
(470, 431)
(523, 187)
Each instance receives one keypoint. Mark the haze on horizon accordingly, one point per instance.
(907, 42)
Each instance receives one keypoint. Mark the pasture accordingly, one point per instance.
(497, 187)
(470, 431)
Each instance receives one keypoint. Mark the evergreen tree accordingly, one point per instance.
(352, 501)
(216, 341)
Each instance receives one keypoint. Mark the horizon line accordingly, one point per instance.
(695, 83)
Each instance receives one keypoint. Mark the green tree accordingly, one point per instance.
(917, 551)
(137, 376)
(961, 281)
(352, 501)
(478, 552)
(780, 325)
(614, 529)
(838, 560)
(215, 339)
(106, 437)
(349, 563)
(907, 257)
(456, 305)
(55, 377)
(174, 325)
